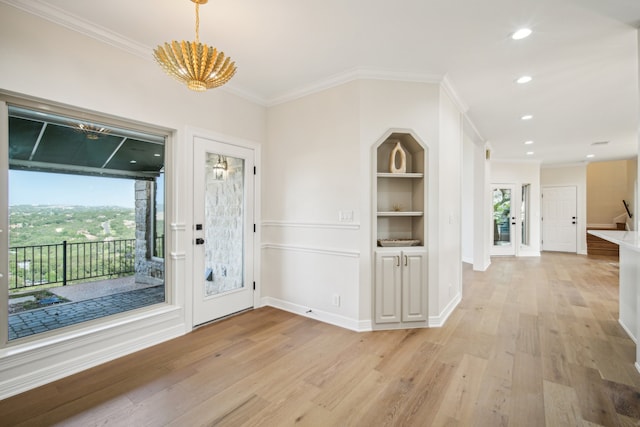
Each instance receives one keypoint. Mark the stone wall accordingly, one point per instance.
(224, 231)
(149, 270)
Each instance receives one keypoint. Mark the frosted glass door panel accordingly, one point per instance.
(224, 224)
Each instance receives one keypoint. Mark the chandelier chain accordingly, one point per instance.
(197, 22)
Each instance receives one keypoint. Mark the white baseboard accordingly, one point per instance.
(481, 267)
(628, 331)
(525, 254)
(322, 316)
(30, 365)
(439, 321)
(467, 260)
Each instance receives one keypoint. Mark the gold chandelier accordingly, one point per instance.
(199, 66)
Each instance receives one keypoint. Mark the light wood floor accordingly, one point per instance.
(535, 342)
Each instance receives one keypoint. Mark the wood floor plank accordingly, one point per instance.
(561, 405)
(593, 396)
(464, 389)
(534, 342)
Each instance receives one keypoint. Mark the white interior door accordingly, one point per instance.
(504, 219)
(559, 219)
(223, 185)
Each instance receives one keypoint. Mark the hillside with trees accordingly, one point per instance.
(31, 225)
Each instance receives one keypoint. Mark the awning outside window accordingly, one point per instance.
(40, 141)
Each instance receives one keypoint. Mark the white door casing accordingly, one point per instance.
(223, 200)
(504, 219)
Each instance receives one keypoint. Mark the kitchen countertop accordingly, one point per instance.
(627, 239)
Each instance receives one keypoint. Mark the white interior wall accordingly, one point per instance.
(571, 175)
(476, 199)
(468, 202)
(312, 174)
(44, 60)
(450, 204)
(632, 183)
(310, 256)
(520, 173)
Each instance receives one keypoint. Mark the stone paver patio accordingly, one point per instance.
(57, 316)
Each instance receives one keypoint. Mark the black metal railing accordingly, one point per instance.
(68, 262)
(158, 248)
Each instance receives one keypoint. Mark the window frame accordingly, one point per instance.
(23, 101)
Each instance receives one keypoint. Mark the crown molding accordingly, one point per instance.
(448, 87)
(73, 22)
(351, 75)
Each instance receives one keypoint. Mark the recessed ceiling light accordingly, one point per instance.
(521, 34)
(590, 156)
(132, 161)
(527, 117)
(524, 79)
(529, 153)
(528, 142)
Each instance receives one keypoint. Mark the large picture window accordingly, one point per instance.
(86, 220)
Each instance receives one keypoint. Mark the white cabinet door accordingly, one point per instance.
(401, 286)
(414, 291)
(388, 287)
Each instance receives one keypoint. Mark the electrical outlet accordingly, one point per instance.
(336, 300)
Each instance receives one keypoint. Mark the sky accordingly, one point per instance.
(40, 188)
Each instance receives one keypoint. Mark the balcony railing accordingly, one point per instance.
(68, 262)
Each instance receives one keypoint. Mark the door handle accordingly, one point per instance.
(199, 241)
(405, 261)
(398, 261)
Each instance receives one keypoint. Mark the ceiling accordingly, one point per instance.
(582, 55)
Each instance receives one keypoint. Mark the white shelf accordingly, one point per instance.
(399, 175)
(394, 213)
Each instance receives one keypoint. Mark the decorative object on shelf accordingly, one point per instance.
(397, 207)
(397, 150)
(199, 66)
(394, 243)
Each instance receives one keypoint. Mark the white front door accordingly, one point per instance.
(504, 219)
(559, 219)
(223, 185)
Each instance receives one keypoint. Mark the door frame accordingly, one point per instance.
(185, 221)
(514, 222)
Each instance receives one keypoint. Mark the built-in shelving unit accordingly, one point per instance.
(401, 288)
(400, 196)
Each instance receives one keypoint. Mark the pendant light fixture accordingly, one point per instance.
(199, 66)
